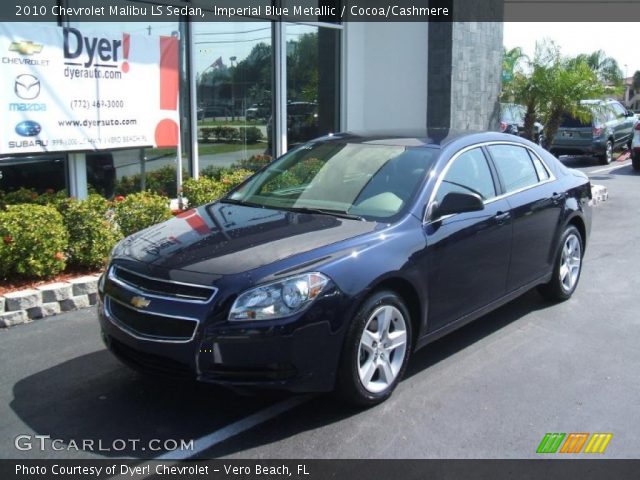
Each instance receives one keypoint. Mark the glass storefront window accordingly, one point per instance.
(313, 82)
(233, 64)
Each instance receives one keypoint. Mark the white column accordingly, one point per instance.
(78, 175)
(279, 126)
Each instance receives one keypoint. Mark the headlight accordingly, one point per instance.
(278, 299)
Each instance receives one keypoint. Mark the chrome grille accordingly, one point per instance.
(160, 288)
(151, 326)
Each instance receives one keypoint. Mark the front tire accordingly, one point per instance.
(567, 269)
(376, 350)
(635, 160)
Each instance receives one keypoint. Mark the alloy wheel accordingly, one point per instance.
(382, 348)
(570, 262)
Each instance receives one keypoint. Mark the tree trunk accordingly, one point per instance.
(529, 120)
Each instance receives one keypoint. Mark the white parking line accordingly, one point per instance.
(235, 428)
(204, 443)
(606, 169)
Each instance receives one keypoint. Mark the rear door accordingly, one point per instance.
(536, 206)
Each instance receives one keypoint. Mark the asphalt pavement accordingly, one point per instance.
(489, 390)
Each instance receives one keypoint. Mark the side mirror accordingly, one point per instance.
(630, 113)
(456, 202)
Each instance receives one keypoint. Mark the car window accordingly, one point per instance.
(469, 173)
(514, 166)
(618, 110)
(541, 170)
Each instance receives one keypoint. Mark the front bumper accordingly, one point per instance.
(299, 353)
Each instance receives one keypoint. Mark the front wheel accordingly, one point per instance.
(376, 350)
(568, 265)
(635, 160)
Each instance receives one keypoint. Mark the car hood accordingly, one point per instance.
(225, 239)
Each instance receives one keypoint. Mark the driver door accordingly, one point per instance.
(468, 253)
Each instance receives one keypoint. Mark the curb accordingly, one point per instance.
(24, 306)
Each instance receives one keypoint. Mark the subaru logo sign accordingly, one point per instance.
(28, 128)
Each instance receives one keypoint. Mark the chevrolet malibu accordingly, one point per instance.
(329, 267)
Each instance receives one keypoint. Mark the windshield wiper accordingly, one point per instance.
(323, 211)
(241, 202)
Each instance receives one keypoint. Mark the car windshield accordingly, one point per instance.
(375, 182)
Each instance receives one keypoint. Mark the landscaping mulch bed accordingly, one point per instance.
(8, 286)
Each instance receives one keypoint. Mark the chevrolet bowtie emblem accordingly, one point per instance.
(25, 47)
(140, 302)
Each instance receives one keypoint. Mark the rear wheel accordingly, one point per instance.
(635, 160)
(376, 351)
(607, 157)
(568, 265)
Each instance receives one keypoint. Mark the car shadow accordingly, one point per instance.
(324, 410)
(93, 397)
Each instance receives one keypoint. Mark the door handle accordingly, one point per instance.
(503, 216)
(557, 197)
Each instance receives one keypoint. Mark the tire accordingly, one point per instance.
(607, 157)
(567, 267)
(371, 366)
(635, 161)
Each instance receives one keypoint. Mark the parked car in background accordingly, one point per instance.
(609, 127)
(512, 122)
(329, 267)
(635, 147)
(258, 111)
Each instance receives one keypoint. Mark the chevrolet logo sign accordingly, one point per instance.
(140, 302)
(26, 47)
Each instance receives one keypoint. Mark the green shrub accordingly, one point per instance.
(231, 178)
(161, 181)
(254, 163)
(141, 210)
(250, 134)
(32, 241)
(206, 189)
(92, 230)
(22, 195)
(202, 191)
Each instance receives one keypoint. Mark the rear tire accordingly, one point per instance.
(635, 160)
(607, 157)
(567, 268)
(376, 350)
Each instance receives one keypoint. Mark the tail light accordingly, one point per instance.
(637, 127)
(503, 126)
(597, 131)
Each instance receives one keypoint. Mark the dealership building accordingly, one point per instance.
(246, 90)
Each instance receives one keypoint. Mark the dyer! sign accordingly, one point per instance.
(66, 89)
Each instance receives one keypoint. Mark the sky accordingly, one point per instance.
(618, 39)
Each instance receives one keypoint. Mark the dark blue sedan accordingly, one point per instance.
(329, 267)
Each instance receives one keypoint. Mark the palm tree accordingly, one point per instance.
(554, 86)
(606, 68)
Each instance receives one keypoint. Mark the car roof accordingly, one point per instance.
(436, 138)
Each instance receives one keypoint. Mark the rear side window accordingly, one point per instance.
(541, 170)
(514, 166)
(469, 173)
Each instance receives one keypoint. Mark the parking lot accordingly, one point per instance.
(490, 390)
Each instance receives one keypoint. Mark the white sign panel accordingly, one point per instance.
(65, 89)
